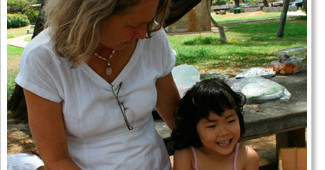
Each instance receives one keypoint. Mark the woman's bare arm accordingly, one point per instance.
(47, 127)
(168, 97)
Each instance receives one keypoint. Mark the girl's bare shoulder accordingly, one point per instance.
(183, 159)
(184, 153)
(248, 158)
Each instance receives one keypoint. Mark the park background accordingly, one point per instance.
(250, 44)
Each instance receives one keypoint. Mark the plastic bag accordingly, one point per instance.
(259, 90)
(290, 60)
(185, 76)
(256, 71)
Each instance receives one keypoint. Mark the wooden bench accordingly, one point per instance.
(287, 120)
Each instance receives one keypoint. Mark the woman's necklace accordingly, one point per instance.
(108, 67)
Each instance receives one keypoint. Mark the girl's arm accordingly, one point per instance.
(167, 100)
(252, 160)
(183, 159)
(47, 127)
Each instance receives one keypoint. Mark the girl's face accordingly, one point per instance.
(219, 134)
(122, 30)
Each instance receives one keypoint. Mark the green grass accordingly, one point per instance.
(13, 61)
(249, 45)
(28, 39)
(220, 19)
(13, 57)
(10, 36)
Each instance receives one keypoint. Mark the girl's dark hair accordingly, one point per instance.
(205, 96)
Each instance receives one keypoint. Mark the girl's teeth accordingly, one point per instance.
(224, 142)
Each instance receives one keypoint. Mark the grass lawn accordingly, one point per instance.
(230, 17)
(249, 45)
(28, 39)
(13, 61)
(17, 32)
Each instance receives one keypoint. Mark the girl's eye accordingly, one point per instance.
(211, 126)
(232, 121)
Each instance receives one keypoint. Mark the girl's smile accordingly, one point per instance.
(224, 144)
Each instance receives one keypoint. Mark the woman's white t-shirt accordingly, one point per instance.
(97, 135)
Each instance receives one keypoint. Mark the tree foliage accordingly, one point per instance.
(17, 20)
(23, 7)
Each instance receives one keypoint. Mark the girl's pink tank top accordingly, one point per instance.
(235, 158)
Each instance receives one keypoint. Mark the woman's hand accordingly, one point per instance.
(168, 98)
(47, 126)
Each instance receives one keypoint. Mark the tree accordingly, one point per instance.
(222, 34)
(266, 4)
(39, 26)
(304, 3)
(236, 3)
(283, 18)
(24, 7)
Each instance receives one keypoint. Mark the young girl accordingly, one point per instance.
(209, 123)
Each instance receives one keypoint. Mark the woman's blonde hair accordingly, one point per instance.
(74, 24)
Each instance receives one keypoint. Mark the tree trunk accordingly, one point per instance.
(236, 3)
(39, 26)
(283, 18)
(222, 34)
(304, 4)
(265, 3)
(17, 103)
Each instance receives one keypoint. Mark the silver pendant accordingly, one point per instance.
(108, 70)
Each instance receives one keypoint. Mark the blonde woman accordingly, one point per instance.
(91, 80)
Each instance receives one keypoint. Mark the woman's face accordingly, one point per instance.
(122, 30)
(219, 134)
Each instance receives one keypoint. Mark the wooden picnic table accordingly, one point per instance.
(287, 120)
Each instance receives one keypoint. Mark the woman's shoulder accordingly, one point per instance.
(42, 40)
(40, 49)
(159, 34)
